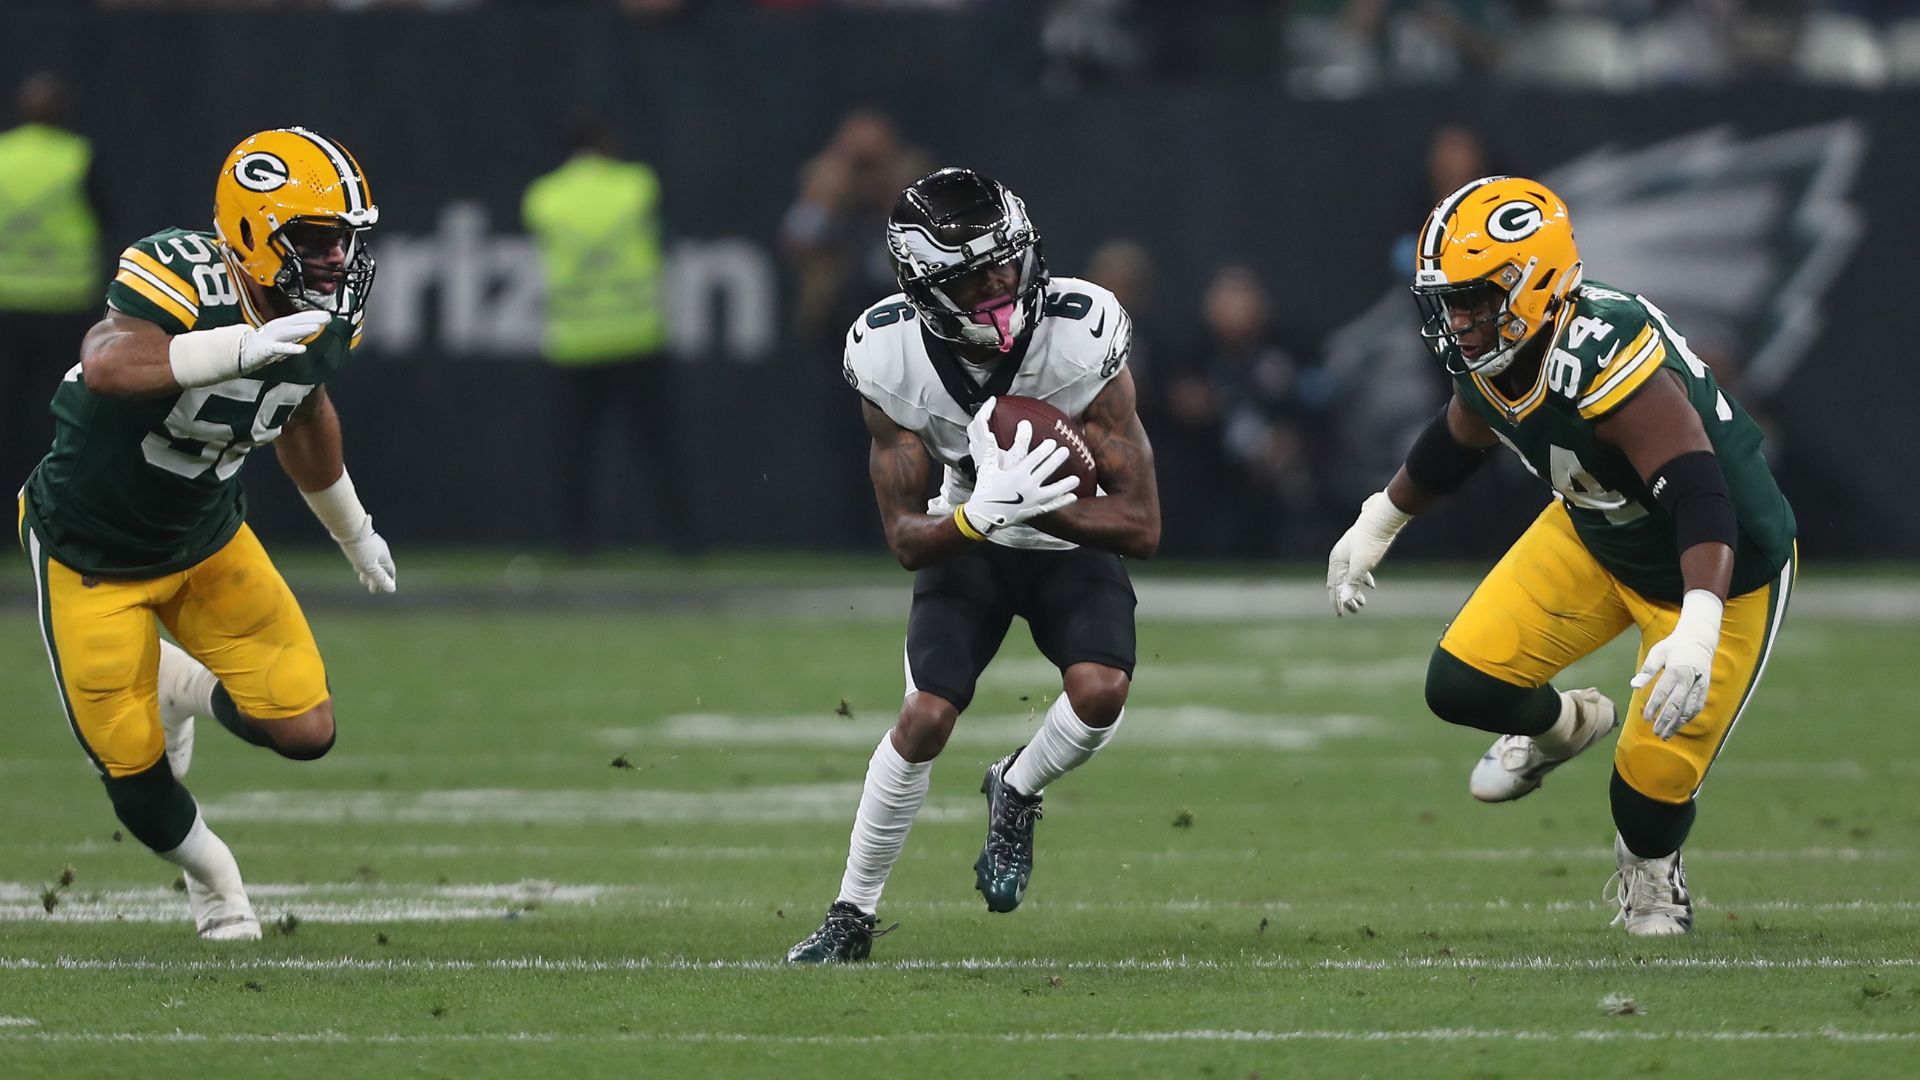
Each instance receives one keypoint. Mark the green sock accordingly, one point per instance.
(154, 806)
(1651, 829)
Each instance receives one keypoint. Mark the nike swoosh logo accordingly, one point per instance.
(856, 334)
(1608, 359)
(1016, 500)
(1101, 326)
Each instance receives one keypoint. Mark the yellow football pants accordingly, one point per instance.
(1548, 602)
(232, 611)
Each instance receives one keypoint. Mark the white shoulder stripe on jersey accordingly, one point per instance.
(1623, 372)
(154, 280)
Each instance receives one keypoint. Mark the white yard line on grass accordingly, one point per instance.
(1170, 963)
(1193, 726)
(467, 806)
(17, 1021)
(1204, 1035)
(403, 902)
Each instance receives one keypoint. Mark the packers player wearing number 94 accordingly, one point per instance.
(212, 344)
(1665, 520)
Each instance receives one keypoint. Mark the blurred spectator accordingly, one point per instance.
(834, 238)
(596, 221)
(834, 233)
(1268, 409)
(1088, 42)
(1456, 156)
(50, 284)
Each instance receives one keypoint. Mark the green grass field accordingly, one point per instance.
(1276, 868)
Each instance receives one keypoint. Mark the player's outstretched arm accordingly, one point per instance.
(900, 466)
(1452, 447)
(309, 449)
(1661, 434)
(1126, 519)
(128, 357)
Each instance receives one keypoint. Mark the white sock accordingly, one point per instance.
(185, 683)
(894, 790)
(1557, 741)
(1062, 745)
(210, 864)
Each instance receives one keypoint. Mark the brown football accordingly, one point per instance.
(1048, 423)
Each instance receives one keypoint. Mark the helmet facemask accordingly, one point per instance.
(1000, 322)
(1488, 303)
(299, 277)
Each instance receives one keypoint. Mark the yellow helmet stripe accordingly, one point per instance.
(351, 183)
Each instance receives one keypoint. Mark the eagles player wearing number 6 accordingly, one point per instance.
(212, 344)
(1665, 520)
(977, 322)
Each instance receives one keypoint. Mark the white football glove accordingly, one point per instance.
(1011, 486)
(1684, 662)
(280, 338)
(205, 357)
(371, 559)
(1360, 549)
(981, 444)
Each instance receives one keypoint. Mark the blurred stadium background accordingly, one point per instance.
(1247, 174)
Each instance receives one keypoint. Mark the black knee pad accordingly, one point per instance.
(1460, 693)
(156, 808)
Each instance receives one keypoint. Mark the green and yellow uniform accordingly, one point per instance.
(1603, 556)
(137, 512)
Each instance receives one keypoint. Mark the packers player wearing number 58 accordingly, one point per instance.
(212, 344)
(1665, 520)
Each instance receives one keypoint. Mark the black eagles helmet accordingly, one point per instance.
(954, 223)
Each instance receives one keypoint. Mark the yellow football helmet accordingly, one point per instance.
(1501, 251)
(286, 177)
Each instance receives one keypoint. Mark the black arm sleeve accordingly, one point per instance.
(1440, 463)
(1694, 491)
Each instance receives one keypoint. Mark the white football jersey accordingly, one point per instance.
(1079, 344)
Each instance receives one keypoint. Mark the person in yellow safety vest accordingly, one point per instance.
(49, 268)
(596, 222)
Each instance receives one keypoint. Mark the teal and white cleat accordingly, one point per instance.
(1005, 864)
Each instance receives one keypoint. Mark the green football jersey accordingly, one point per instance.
(141, 488)
(1604, 350)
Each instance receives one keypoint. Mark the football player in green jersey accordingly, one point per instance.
(1665, 520)
(212, 344)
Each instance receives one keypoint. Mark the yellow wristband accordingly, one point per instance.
(966, 527)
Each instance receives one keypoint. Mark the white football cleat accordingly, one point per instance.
(1653, 896)
(184, 689)
(1516, 764)
(221, 917)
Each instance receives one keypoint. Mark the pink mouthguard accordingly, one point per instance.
(1000, 317)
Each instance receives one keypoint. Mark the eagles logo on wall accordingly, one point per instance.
(1738, 239)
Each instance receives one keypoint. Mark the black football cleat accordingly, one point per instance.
(844, 938)
(1005, 864)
